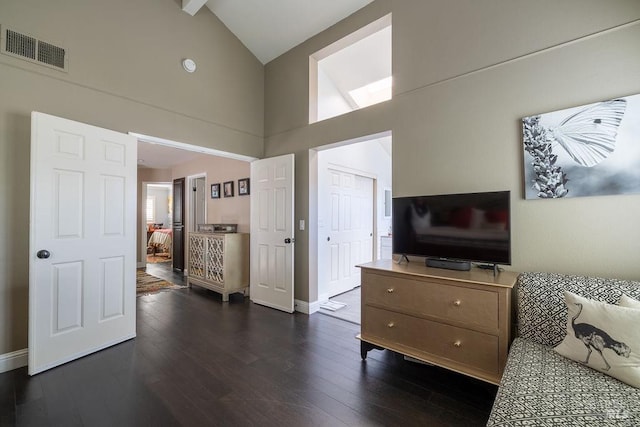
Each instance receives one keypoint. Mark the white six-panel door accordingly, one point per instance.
(272, 232)
(82, 240)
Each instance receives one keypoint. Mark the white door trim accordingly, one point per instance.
(190, 200)
(143, 221)
(191, 147)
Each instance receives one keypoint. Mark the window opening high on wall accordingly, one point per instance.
(352, 73)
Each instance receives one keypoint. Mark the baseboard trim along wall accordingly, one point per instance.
(305, 307)
(14, 360)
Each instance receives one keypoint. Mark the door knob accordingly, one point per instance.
(289, 240)
(328, 239)
(43, 254)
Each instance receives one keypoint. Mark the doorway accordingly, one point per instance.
(158, 218)
(197, 201)
(347, 219)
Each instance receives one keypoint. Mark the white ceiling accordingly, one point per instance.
(269, 28)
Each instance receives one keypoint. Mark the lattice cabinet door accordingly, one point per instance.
(196, 255)
(215, 259)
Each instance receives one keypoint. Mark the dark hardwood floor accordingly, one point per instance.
(198, 361)
(164, 271)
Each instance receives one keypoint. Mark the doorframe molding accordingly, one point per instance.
(190, 147)
(190, 198)
(313, 228)
(143, 220)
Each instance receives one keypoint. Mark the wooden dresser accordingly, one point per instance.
(219, 262)
(459, 320)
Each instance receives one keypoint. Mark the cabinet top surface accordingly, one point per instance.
(475, 275)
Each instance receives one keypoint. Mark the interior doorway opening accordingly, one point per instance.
(349, 183)
(158, 218)
(198, 201)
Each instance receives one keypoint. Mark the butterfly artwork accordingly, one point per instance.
(578, 151)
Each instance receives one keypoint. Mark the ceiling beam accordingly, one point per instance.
(192, 6)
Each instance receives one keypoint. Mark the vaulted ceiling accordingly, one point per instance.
(269, 28)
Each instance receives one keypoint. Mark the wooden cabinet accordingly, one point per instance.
(459, 320)
(219, 262)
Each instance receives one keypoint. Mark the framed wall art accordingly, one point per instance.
(243, 187)
(228, 189)
(215, 191)
(591, 150)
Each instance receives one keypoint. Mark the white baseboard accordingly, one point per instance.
(14, 360)
(305, 307)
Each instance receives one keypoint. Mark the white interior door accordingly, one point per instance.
(82, 267)
(272, 233)
(350, 235)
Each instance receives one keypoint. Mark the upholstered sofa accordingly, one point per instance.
(541, 388)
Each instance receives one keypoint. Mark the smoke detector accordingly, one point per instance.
(189, 65)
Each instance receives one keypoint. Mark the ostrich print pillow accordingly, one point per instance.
(603, 336)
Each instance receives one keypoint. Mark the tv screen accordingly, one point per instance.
(468, 227)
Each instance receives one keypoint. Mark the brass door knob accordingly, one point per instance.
(390, 290)
(457, 303)
(390, 325)
(457, 344)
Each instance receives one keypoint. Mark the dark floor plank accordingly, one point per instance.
(198, 361)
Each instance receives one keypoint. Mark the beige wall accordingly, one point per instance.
(124, 74)
(225, 210)
(465, 72)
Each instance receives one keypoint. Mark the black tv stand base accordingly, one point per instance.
(449, 264)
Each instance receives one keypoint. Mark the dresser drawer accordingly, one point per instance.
(471, 348)
(473, 307)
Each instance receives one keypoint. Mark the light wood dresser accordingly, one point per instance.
(219, 262)
(459, 320)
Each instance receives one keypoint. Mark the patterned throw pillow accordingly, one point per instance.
(603, 336)
(627, 301)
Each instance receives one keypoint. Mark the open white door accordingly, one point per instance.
(82, 267)
(272, 233)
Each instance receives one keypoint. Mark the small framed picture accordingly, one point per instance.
(243, 187)
(228, 189)
(215, 191)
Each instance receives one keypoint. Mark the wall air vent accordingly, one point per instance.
(30, 48)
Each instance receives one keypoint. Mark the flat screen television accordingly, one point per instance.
(466, 227)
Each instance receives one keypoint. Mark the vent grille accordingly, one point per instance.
(50, 54)
(32, 49)
(20, 44)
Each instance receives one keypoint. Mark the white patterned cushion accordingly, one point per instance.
(603, 336)
(541, 311)
(541, 388)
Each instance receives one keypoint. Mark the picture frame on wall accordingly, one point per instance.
(228, 189)
(215, 191)
(243, 187)
(589, 150)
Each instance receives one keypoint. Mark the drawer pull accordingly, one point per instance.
(390, 290)
(457, 344)
(457, 303)
(390, 325)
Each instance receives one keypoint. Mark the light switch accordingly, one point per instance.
(301, 226)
